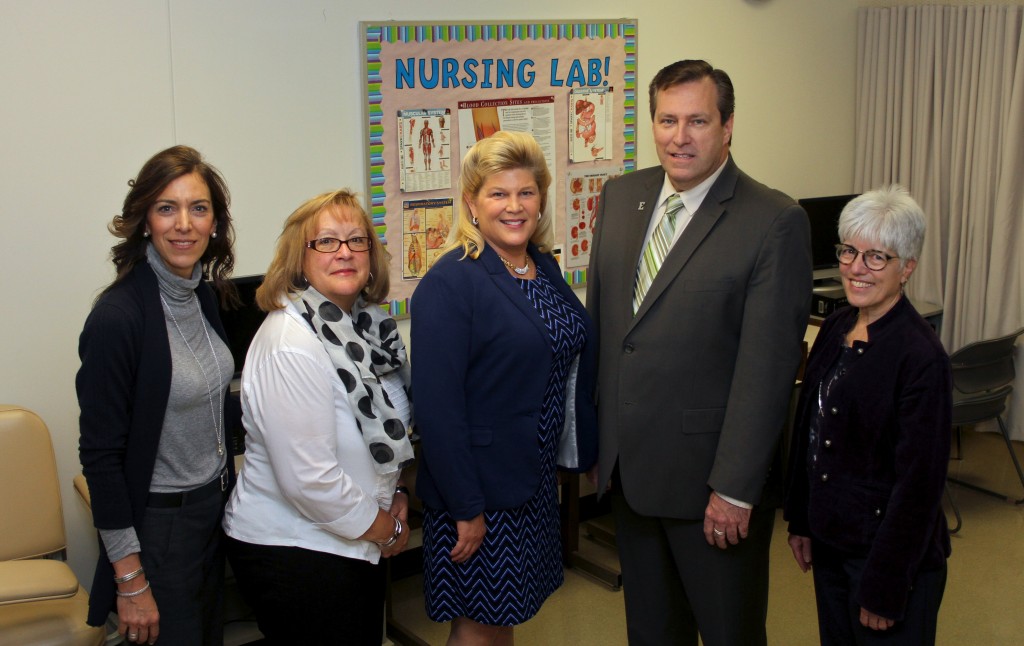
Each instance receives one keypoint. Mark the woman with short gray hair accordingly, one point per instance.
(871, 441)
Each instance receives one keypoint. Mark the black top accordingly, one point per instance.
(875, 489)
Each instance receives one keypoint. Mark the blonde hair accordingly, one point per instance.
(284, 276)
(502, 151)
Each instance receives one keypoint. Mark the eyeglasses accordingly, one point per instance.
(331, 245)
(874, 259)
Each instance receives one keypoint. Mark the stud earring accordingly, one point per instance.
(145, 234)
(213, 235)
(475, 221)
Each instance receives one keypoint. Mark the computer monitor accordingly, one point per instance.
(823, 215)
(241, 323)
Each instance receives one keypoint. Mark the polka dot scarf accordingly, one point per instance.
(364, 347)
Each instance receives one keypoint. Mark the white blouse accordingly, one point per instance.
(307, 479)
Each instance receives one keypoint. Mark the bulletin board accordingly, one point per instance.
(433, 89)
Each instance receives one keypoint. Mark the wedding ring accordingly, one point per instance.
(718, 532)
(133, 636)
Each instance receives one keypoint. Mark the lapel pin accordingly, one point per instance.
(641, 206)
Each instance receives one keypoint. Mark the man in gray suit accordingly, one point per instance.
(701, 309)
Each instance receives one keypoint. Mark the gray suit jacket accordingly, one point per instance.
(693, 390)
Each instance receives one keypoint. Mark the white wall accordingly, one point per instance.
(270, 92)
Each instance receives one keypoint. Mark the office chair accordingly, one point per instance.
(983, 374)
(41, 601)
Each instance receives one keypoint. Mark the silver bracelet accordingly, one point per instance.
(394, 537)
(128, 577)
(133, 594)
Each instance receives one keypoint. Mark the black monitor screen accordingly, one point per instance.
(241, 323)
(823, 213)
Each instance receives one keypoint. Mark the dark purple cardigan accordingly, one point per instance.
(876, 489)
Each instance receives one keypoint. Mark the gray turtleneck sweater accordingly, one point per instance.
(193, 426)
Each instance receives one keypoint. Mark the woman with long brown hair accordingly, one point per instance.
(153, 393)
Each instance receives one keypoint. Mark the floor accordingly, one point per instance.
(983, 604)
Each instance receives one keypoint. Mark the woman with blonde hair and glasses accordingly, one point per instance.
(504, 373)
(326, 408)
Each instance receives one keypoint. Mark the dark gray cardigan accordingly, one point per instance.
(123, 386)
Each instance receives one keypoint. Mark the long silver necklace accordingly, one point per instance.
(218, 431)
(521, 271)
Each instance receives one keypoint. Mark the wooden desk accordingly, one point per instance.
(571, 556)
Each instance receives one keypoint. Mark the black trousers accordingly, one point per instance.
(183, 554)
(301, 596)
(676, 585)
(837, 575)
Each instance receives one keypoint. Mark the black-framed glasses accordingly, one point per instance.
(874, 259)
(331, 245)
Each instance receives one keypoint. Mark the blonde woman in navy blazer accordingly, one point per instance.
(503, 374)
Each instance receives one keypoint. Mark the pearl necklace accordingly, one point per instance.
(521, 271)
(217, 429)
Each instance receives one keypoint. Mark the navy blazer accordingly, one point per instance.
(875, 491)
(481, 358)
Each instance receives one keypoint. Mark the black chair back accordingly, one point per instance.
(983, 376)
(972, 409)
(984, 365)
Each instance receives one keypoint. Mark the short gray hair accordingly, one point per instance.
(887, 216)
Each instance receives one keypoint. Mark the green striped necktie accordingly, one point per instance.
(656, 249)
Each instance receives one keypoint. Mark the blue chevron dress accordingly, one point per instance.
(519, 563)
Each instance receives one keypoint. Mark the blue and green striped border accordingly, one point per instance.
(376, 34)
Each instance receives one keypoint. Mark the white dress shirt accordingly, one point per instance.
(692, 199)
(307, 479)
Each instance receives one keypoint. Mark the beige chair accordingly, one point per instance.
(41, 601)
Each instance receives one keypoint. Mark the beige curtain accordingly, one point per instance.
(940, 109)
